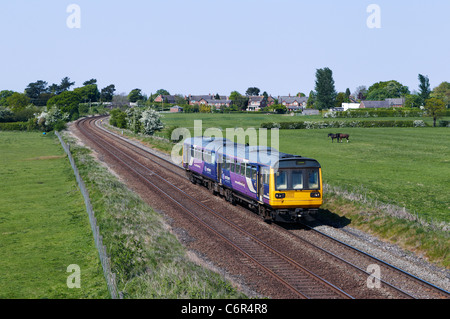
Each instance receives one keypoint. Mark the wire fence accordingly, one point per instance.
(105, 260)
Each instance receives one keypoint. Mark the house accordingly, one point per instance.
(196, 99)
(219, 103)
(397, 102)
(310, 112)
(293, 103)
(374, 104)
(176, 109)
(165, 98)
(347, 106)
(256, 103)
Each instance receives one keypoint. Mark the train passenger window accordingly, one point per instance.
(254, 172)
(313, 179)
(281, 180)
(197, 154)
(248, 171)
(207, 156)
(297, 179)
(192, 151)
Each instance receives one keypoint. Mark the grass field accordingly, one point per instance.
(44, 226)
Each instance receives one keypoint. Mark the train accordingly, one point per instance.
(278, 186)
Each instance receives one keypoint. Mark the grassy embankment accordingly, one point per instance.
(392, 182)
(44, 226)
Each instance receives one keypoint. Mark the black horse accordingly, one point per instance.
(338, 136)
(334, 136)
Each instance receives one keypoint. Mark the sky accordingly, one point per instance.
(218, 46)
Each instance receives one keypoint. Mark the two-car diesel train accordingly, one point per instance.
(279, 186)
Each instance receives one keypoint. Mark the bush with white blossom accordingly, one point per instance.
(151, 122)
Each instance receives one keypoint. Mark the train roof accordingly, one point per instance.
(263, 155)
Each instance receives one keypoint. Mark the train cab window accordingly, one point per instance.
(297, 179)
(281, 180)
(313, 179)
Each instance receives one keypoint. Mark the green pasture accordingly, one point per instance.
(408, 167)
(44, 226)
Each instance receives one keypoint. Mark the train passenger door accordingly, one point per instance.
(260, 184)
(263, 182)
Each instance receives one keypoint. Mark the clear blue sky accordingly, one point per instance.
(217, 46)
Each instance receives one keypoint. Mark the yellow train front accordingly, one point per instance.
(279, 186)
(295, 189)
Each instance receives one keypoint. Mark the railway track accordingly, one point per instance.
(299, 281)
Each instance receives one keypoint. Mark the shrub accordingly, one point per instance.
(151, 122)
(13, 126)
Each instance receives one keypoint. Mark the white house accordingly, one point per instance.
(347, 106)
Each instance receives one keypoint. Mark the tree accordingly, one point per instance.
(277, 108)
(388, 89)
(413, 100)
(347, 94)
(325, 91)
(17, 101)
(424, 87)
(67, 102)
(162, 92)
(88, 93)
(340, 98)
(252, 91)
(4, 95)
(435, 108)
(118, 118)
(120, 100)
(442, 91)
(135, 95)
(107, 93)
(64, 85)
(90, 82)
(34, 89)
(361, 92)
(241, 102)
(311, 100)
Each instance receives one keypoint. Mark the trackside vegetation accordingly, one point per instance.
(146, 257)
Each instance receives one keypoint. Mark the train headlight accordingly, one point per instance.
(315, 195)
(280, 195)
